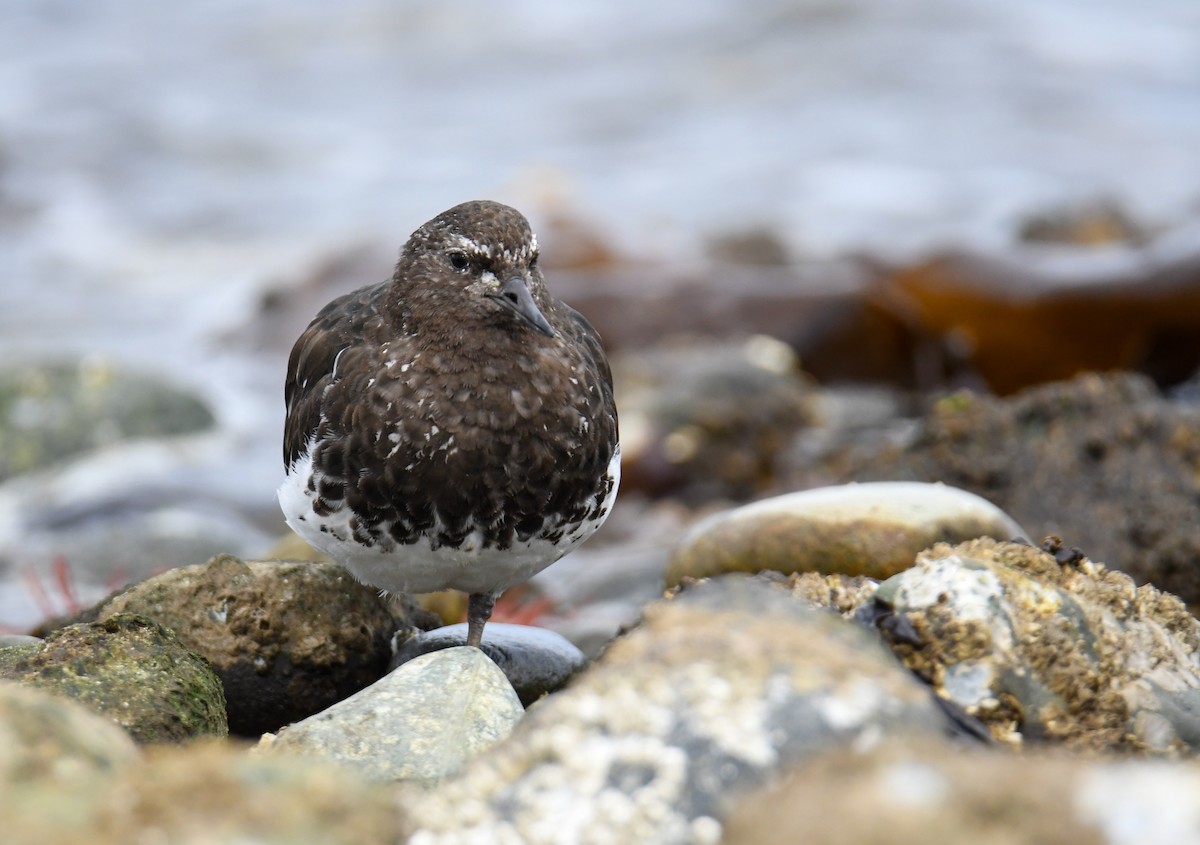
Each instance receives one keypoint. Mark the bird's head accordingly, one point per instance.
(480, 259)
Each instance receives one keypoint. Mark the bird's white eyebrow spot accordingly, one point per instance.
(471, 245)
(521, 255)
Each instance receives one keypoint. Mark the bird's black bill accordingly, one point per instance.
(514, 295)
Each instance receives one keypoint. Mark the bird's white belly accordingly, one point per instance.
(418, 567)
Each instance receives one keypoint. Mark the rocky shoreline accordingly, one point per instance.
(908, 646)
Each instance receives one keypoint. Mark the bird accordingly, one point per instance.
(454, 426)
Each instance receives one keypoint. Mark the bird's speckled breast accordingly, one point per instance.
(445, 448)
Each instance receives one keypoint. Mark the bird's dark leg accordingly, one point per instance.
(479, 611)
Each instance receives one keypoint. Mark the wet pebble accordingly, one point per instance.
(1105, 461)
(535, 661)
(874, 530)
(419, 723)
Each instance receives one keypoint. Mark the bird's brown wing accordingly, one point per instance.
(588, 339)
(339, 326)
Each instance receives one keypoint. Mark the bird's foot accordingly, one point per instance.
(479, 611)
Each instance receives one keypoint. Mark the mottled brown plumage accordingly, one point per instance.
(453, 426)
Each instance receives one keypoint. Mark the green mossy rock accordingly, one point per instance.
(132, 670)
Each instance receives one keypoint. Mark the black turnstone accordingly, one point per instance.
(454, 426)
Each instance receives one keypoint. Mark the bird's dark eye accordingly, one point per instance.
(459, 260)
(533, 262)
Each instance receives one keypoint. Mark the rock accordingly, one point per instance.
(53, 411)
(204, 793)
(534, 660)
(843, 594)
(420, 723)
(1060, 651)
(17, 640)
(1034, 315)
(11, 654)
(704, 420)
(48, 737)
(134, 671)
(287, 639)
(717, 691)
(943, 794)
(873, 530)
(1105, 458)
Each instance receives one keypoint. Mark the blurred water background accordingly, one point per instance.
(164, 166)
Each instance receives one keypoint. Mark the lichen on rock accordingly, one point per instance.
(1069, 653)
(133, 670)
